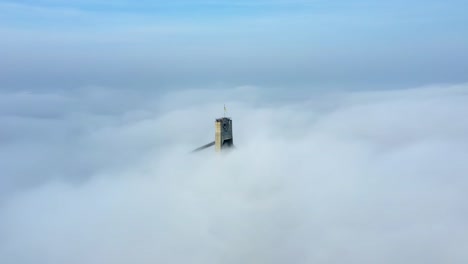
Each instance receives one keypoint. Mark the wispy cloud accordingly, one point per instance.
(352, 44)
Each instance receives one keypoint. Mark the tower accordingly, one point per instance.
(223, 134)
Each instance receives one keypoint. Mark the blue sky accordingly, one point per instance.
(282, 43)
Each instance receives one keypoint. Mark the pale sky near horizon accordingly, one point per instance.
(161, 44)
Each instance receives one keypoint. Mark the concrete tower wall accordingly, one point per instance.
(223, 133)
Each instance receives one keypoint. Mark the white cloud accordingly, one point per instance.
(362, 177)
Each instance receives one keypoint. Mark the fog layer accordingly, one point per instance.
(100, 176)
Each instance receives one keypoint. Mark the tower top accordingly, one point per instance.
(223, 133)
(221, 119)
